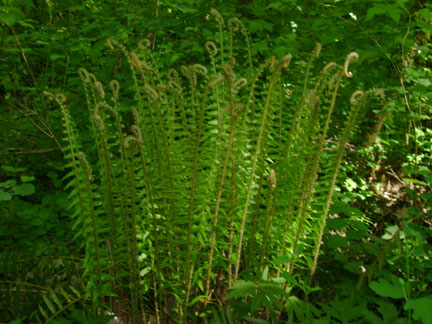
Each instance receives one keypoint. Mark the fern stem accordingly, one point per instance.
(282, 64)
(356, 106)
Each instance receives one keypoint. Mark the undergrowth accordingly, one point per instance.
(210, 196)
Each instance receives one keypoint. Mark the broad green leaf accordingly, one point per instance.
(9, 183)
(394, 14)
(422, 308)
(5, 196)
(392, 10)
(424, 82)
(377, 9)
(424, 26)
(10, 15)
(24, 189)
(388, 310)
(390, 231)
(386, 289)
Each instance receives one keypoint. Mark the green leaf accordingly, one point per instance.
(43, 312)
(36, 221)
(350, 184)
(259, 25)
(415, 181)
(8, 168)
(25, 24)
(264, 275)
(421, 307)
(388, 310)
(27, 178)
(390, 232)
(255, 320)
(5, 196)
(394, 14)
(66, 295)
(24, 189)
(49, 304)
(144, 271)
(56, 299)
(424, 26)
(386, 289)
(279, 280)
(241, 289)
(336, 241)
(197, 299)
(377, 9)
(283, 259)
(10, 15)
(8, 184)
(337, 223)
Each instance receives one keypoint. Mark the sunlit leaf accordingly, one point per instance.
(386, 289)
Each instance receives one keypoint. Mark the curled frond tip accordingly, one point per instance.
(328, 67)
(217, 16)
(60, 98)
(84, 75)
(152, 92)
(235, 24)
(211, 48)
(356, 96)
(352, 57)
(137, 132)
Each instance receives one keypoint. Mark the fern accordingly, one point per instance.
(210, 165)
(58, 303)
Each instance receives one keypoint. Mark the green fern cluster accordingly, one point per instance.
(216, 172)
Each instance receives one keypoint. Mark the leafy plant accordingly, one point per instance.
(188, 184)
(189, 142)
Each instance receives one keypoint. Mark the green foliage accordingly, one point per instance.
(280, 193)
(205, 134)
(261, 295)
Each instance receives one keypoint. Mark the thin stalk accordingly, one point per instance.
(198, 135)
(282, 64)
(218, 202)
(339, 155)
(268, 218)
